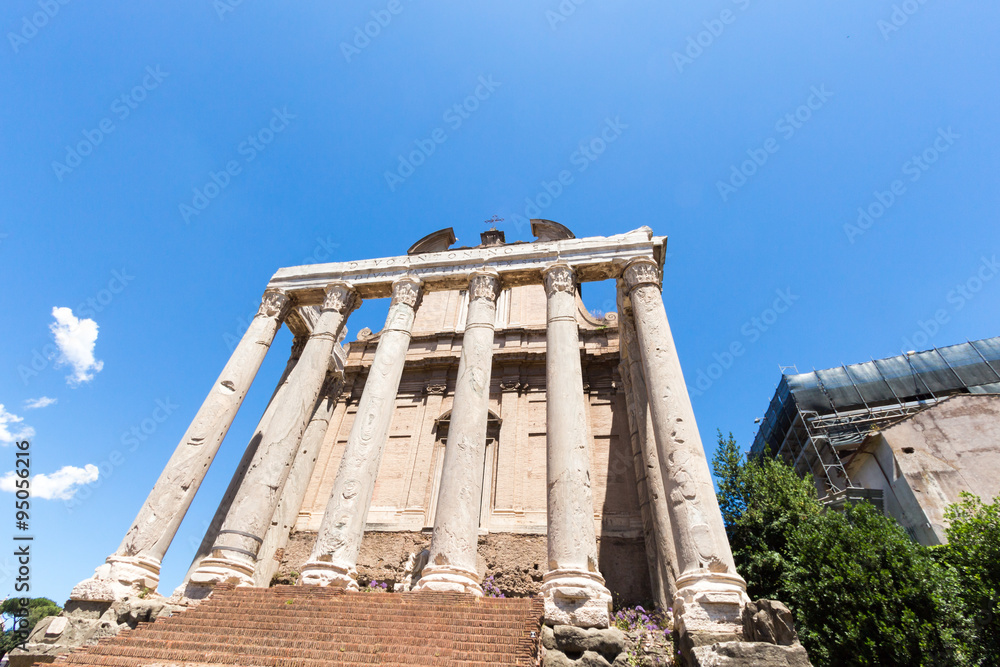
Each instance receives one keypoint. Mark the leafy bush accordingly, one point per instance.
(863, 593)
(974, 551)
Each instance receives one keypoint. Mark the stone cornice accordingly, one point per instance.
(593, 258)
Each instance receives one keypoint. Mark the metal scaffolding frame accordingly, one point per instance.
(817, 419)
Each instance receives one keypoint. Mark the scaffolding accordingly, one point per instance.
(816, 420)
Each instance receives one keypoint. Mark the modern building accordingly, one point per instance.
(910, 432)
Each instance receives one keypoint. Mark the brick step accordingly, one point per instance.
(349, 620)
(374, 629)
(332, 641)
(382, 610)
(296, 626)
(243, 655)
(340, 610)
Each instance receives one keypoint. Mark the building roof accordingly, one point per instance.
(873, 388)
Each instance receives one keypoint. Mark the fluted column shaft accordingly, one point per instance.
(452, 562)
(136, 564)
(335, 553)
(709, 591)
(573, 588)
(234, 553)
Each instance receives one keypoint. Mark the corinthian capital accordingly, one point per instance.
(341, 297)
(407, 291)
(641, 271)
(559, 278)
(274, 303)
(484, 284)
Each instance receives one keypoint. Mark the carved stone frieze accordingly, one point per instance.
(559, 278)
(641, 271)
(436, 388)
(484, 285)
(407, 291)
(274, 303)
(341, 297)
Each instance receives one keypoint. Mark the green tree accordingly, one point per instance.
(862, 592)
(38, 608)
(974, 550)
(763, 502)
(865, 594)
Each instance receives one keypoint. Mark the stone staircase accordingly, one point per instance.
(307, 626)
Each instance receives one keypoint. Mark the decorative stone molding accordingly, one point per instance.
(274, 303)
(436, 388)
(509, 384)
(484, 285)
(341, 297)
(559, 278)
(365, 334)
(641, 271)
(407, 291)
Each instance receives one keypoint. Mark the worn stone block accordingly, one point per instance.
(750, 654)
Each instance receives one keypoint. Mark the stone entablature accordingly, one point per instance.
(595, 258)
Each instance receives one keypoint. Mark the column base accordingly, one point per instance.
(576, 597)
(325, 573)
(120, 577)
(710, 604)
(449, 579)
(216, 570)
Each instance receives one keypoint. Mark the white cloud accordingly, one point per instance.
(41, 402)
(9, 432)
(75, 339)
(60, 485)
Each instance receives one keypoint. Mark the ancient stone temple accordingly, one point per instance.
(492, 428)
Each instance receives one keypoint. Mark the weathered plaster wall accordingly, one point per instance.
(924, 462)
(517, 562)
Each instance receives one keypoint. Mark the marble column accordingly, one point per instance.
(236, 481)
(335, 553)
(294, 491)
(234, 553)
(637, 396)
(709, 592)
(135, 566)
(451, 565)
(573, 588)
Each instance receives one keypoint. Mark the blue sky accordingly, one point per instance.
(753, 134)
